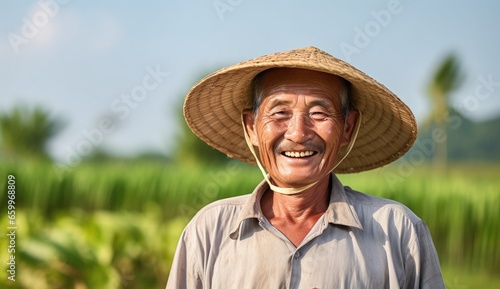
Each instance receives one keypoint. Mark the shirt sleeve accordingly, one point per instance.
(185, 270)
(424, 271)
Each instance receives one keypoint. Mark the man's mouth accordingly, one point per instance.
(296, 154)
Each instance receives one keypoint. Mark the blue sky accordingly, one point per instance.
(81, 60)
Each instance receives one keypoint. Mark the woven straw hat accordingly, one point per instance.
(214, 105)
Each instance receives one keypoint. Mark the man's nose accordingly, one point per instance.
(299, 128)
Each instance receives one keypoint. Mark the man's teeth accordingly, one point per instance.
(299, 154)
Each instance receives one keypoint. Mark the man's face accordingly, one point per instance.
(299, 127)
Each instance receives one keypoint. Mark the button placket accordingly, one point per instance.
(295, 268)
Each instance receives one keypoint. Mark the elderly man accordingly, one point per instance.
(301, 115)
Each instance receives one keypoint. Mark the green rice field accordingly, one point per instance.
(116, 225)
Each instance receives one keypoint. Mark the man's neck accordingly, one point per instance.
(295, 215)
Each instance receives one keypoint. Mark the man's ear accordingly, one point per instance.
(349, 126)
(249, 123)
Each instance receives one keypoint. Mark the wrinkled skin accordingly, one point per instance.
(300, 113)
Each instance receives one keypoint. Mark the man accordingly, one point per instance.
(300, 115)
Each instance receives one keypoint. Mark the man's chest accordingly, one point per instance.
(337, 259)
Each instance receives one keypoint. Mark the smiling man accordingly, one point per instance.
(302, 116)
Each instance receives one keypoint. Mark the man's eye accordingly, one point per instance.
(319, 115)
(280, 114)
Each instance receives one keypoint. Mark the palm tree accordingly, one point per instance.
(446, 79)
(25, 132)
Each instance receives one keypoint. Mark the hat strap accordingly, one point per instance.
(292, 191)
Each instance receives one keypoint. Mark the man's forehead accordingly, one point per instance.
(314, 100)
(283, 93)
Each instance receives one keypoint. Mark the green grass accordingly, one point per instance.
(122, 186)
(460, 207)
(459, 278)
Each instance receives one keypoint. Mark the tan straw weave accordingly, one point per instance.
(213, 109)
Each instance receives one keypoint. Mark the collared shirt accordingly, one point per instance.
(361, 241)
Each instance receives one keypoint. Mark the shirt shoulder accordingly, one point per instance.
(222, 205)
(385, 218)
(403, 233)
(217, 216)
(376, 205)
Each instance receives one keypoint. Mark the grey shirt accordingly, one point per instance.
(361, 241)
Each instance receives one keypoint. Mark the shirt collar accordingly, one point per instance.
(251, 209)
(339, 211)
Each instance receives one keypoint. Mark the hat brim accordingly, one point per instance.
(213, 108)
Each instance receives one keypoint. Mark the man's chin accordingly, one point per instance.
(295, 180)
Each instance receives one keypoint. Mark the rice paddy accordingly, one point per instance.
(115, 225)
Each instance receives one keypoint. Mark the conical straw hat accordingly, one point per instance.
(213, 107)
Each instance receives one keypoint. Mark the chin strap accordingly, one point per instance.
(292, 191)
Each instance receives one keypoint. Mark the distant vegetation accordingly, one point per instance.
(446, 79)
(110, 225)
(25, 132)
(467, 141)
